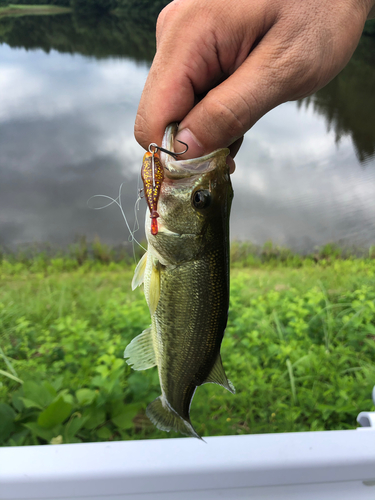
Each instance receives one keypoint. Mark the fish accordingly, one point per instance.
(185, 273)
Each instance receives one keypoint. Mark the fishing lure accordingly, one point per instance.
(152, 174)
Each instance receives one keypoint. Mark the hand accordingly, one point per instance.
(221, 65)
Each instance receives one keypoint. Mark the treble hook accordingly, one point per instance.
(156, 148)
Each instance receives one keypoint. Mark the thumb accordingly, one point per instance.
(229, 110)
(271, 75)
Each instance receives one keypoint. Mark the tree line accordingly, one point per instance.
(144, 7)
(149, 8)
(99, 36)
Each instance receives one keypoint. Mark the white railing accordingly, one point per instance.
(305, 466)
(367, 418)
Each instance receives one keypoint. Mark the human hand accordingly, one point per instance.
(221, 65)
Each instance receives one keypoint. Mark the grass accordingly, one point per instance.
(299, 348)
(28, 10)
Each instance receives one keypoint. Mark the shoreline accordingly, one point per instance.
(13, 10)
(95, 254)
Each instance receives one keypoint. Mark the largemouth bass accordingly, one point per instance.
(186, 282)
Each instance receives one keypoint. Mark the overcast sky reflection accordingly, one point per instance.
(66, 133)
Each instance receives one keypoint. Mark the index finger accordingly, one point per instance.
(168, 96)
(185, 66)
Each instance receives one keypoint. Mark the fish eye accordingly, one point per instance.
(201, 199)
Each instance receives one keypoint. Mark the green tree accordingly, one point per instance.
(93, 6)
(369, 28)
(348, 101)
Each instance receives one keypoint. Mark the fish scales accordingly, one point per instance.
(186, 281)
(189, 355)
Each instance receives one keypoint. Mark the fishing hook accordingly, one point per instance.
(156, 148)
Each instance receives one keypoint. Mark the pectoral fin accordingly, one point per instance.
(140, 352)
(139, 272)
(217, 376)
(154, 291)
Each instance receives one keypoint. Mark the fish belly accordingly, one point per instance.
(188, 327)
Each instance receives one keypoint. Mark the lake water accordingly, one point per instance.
(68, 98)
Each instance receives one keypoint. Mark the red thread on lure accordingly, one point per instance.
(154, 227)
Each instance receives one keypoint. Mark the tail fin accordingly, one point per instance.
(166, 419)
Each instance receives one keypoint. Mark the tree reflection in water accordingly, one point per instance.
(75, 33)
(348, 101)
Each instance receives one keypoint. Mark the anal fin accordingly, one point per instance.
(217, 376)
(140, 352)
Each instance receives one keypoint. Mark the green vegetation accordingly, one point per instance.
(34, 3)
(143, 8)
(99, 28)
(299, 347)
(15, 10)
(369, 28)
(90, 35)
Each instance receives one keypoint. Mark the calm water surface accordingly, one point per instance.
(305, 174)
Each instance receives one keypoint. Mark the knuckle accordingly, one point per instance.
(162, 14)
(228, 116)
(301, 76)
(294, 70)
(306, 56)
(169, 18)
(159, 24)
(141, 130)
(161, 19)
(170, 11)
(310, 72)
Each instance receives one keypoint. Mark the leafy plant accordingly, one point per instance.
(299, 348)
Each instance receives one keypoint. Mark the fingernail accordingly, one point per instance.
(231, 163)
(195, 147)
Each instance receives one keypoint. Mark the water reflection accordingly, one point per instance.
(66, 136)
(348, 102)
(102, 36)
(67, 133)
(298, 187)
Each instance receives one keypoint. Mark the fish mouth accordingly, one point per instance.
(180, 179)
(177, 169)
